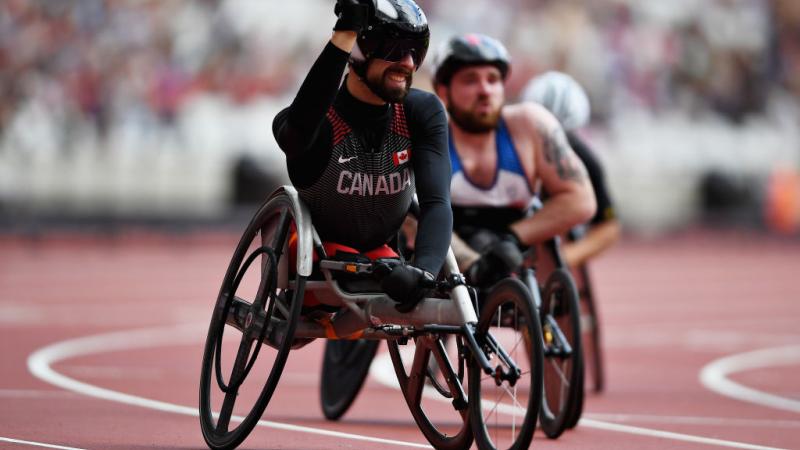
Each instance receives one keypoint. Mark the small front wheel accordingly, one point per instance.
(504, 406)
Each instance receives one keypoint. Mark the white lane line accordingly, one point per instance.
(37, 444)
(35, 393)
(383, 372)
(714, 375)
(40, 365)
(694, 420)
(608, 426)
(116, 373)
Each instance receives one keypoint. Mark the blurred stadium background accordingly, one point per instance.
(160, 112)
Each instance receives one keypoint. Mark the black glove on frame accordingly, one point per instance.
(497, 262)
(405, 286)
(482, 239)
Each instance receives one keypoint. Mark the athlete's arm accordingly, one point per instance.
(599, 238)
(570, 199)
(299, 125)
(431, 161)
(604, 230)
(605, 207)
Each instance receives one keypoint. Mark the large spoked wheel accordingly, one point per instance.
(504, 408)
(252, 328)
(431, 373)
(590, 331)
(562, 349)
(344, 368)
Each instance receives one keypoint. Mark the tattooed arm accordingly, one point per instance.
(569, 197)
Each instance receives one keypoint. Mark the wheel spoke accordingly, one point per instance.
(280, 302)
(227, 411)
(513, 349)
(559, 371)
(236, 380)
(513, 394)
(418, 366)
(280, 232)
(497, 402)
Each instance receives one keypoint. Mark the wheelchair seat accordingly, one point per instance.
(351, 283)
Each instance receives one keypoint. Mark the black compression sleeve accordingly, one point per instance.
(428, 125)
(605, 208)
(296, 127)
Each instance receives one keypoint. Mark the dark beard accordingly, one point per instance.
(378, 87)
(472, 123)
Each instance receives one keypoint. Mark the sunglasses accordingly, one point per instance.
(397, 50)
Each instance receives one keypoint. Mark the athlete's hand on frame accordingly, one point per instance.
(405, 286)
(500, 259)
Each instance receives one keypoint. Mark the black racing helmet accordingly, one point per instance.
(397, 28)
(470, 49)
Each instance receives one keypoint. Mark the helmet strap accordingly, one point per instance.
(359, 62)
(360, 68)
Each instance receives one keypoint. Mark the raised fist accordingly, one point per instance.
(353, 15)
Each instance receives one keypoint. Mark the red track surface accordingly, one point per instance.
(669, 307)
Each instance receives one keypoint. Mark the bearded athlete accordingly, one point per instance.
(357, 151)
(501, 156)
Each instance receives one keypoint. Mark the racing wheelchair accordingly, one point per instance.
(487, 391)
(346, 362)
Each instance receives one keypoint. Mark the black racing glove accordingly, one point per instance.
(406, 285)
(510, 236)
(482, 239)
(353, 15)
(500, 259)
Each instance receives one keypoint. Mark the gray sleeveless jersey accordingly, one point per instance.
(363, 196)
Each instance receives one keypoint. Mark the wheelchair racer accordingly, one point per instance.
(568, 102)
(358, 150)
(501, 155)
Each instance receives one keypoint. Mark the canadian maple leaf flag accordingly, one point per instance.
(401, 157)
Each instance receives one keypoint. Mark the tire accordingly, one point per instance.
(433, 410)
(590, 332)
(275, 298)
(344, 368)
(562, 382)
(577, 409)
(507, 316)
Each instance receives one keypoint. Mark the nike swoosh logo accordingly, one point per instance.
(344, 160)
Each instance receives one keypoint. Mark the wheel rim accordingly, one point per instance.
(505, 416)
(560, 316)
(590, 333)
(257, 297)
(444, 427)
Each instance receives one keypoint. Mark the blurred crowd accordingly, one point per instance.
(78, 72)
(726, 56)
(86, 70)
